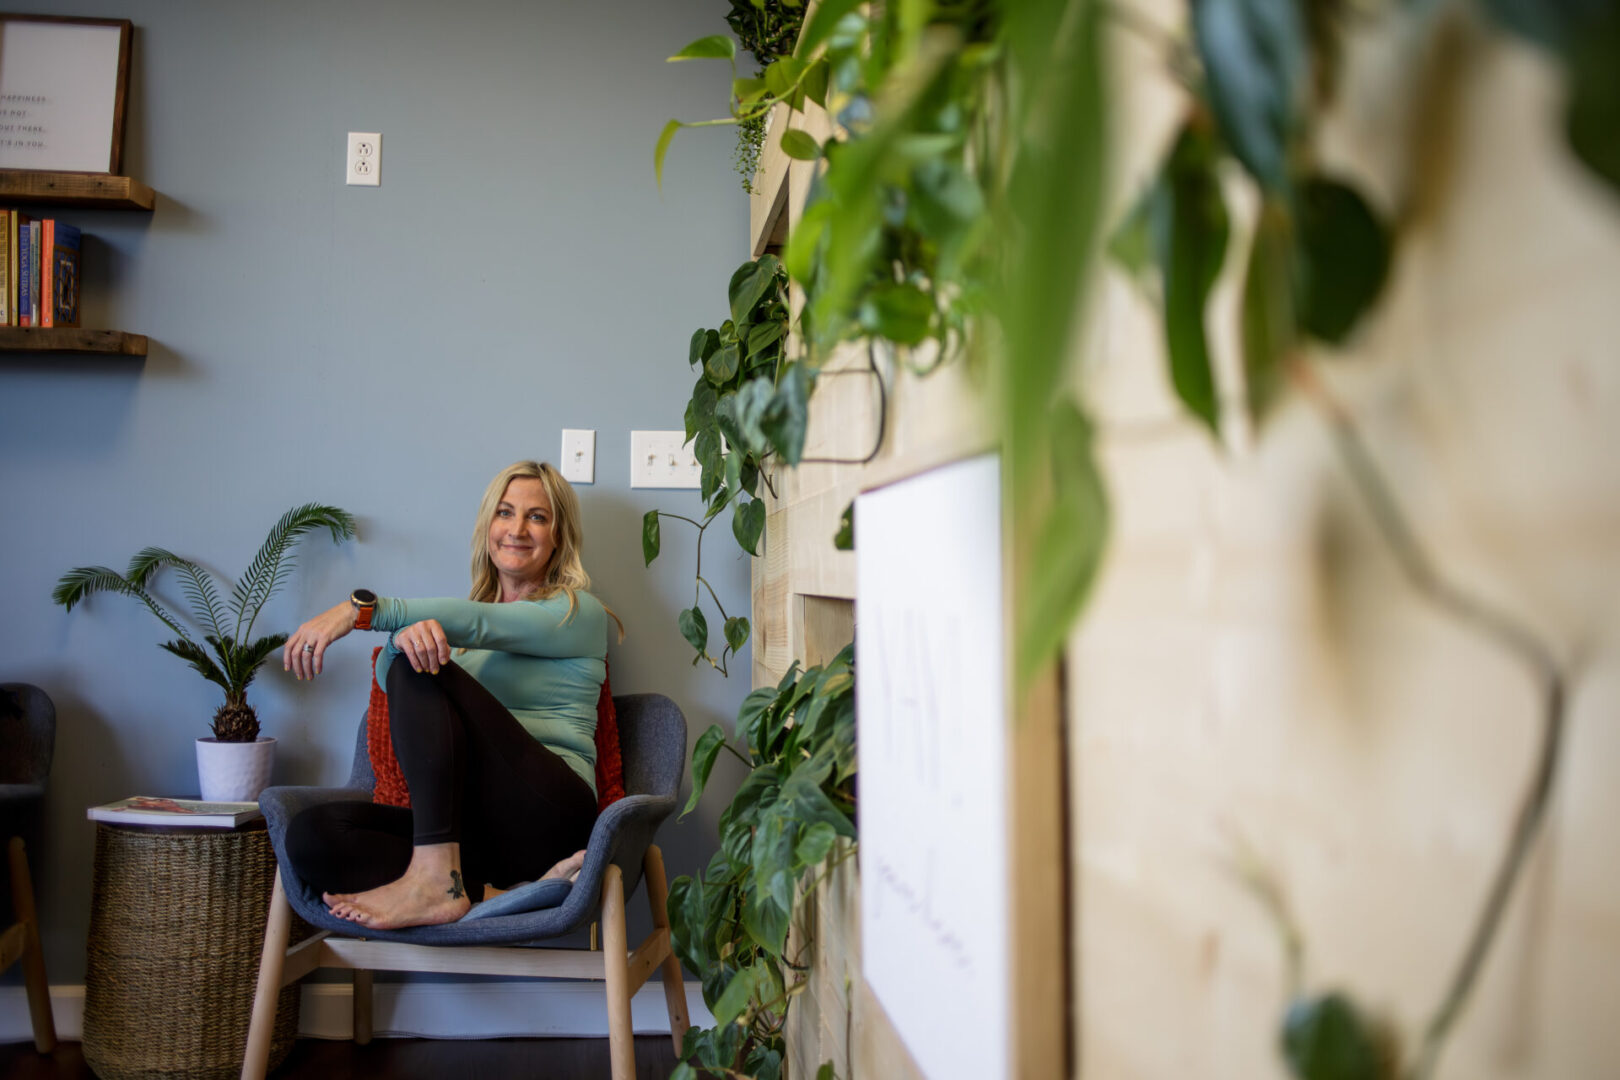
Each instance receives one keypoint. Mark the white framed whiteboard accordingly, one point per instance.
(931, 720)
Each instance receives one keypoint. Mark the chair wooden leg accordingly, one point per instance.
(615, 959)
(277, 929)
(33, 958)
(652, 868)
(362, 1006)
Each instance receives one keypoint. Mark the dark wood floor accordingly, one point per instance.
(398, 1059)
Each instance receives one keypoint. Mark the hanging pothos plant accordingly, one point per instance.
(767, 29)
(730, 923)
(748, 407)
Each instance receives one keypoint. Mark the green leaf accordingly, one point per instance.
(700, 410)
(1325, 1038)
(821, 25)
(1344, 255)
(1255, 59)
(753, 708)
(815, 844)
(823, 1073)
(1068, 547)
(747, 91)
(722, 366)
(683, 1071)
(844, 539)
(708, 747)
(737, 631)
(764, 1063)
(268, 571)
(713, 47)
(1191, 241)
(695, 629)
(783, 75)
(787, 414)
(740, 993)
(766, 334)
(651, 538)
(749, 283)
(902, 313)
(1267, 316)
(815, 82)
(664, 138)
(766, 921)
(800, 145)
(747, 522)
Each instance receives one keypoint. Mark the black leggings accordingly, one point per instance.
(475, 776)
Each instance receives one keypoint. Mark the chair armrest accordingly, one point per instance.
(282, 804)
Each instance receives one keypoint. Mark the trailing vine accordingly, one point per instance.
(730, 923)
(767, 29)
(748, 406)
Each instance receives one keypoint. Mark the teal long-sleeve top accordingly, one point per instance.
(545, 665)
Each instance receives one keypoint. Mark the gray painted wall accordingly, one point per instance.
(384, 349)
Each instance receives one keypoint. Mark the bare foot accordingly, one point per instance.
(569, 868)
(430, 892)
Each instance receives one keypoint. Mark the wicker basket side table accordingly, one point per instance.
(176, 927)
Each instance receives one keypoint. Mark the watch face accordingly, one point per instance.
(363, 597)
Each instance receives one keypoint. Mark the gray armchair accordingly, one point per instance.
(652, 740)
(27, 743)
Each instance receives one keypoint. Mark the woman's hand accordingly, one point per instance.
(304, 651)
(424, 645)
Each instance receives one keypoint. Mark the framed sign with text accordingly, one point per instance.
(63, 84)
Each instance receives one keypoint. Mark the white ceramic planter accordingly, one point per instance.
(234, 771)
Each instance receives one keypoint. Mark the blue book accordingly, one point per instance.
(63, 272)
(25, 274)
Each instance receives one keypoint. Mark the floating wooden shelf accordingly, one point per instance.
(98, 190)
(53, 339)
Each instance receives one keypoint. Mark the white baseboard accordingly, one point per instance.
(481, 1010)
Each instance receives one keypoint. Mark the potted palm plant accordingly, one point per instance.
(235, 763)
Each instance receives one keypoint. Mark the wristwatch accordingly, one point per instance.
(365, 602)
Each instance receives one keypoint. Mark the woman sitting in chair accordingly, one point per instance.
(497, 746)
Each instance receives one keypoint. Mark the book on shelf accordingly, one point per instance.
(16, 235)
(59, 293)
(5, 266)
(190, 813)
(25, 273)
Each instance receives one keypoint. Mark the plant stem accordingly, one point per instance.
(1507, 632)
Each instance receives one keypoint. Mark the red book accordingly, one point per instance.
(47, 241)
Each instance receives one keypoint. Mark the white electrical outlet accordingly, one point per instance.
(363, 165)
(663, 459)
(579, 455)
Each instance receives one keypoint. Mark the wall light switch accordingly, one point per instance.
(663, 459)
(579, 455)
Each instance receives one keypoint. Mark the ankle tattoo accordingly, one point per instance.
(456, 891)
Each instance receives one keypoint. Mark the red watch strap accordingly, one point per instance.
(362, 620)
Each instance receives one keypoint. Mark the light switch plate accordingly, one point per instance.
(579, 455)
(663, 459)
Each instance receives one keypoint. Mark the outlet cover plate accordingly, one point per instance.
(363, 164)
(579, 455)
(663, 459)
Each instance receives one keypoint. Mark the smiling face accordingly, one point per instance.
(521, 540)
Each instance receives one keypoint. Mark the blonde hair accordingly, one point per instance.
(565, 572)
